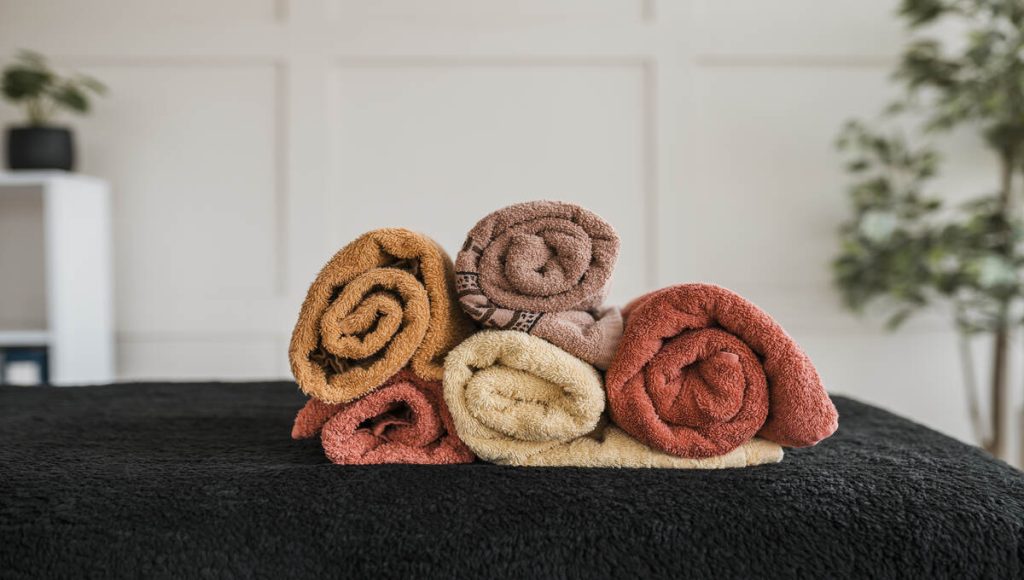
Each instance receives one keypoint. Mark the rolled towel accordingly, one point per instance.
(543, 267)
(404, 421)
(383, 301)
(516, 399)
(700, 370)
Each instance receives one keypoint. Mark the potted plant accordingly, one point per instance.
(29, 82)
(904, 245)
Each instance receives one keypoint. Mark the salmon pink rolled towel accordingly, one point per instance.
(404, 421)
(700, 370)
(543, 267)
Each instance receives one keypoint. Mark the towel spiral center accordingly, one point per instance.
(403, 414)
(359, 327)
(542, 257)
(547, 262)
(702, 378)
(359, 330)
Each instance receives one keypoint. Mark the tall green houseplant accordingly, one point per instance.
(903, 246)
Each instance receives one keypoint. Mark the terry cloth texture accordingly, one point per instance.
(543, 267)
(700, 370)
(195, 480)
(384, 301)
(519, 400)
(404, 421)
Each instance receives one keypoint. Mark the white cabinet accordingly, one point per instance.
(56, 276)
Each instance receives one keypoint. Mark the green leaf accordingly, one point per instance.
(22, 83)
(91, 84)
(72, 98)
(921, 12)
(897, 320)
(858, 165)
(32, 59)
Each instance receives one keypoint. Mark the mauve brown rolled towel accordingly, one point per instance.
(543, 267)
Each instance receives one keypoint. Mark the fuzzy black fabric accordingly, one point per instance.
(202, 480)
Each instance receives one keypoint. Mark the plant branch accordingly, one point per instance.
(978, 425)
(1001, 339)
(36, 113)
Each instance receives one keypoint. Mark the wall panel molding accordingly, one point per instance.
(493, 12)
(795, 61)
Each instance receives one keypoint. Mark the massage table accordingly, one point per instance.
(203, 480)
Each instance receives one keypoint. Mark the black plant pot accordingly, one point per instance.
(40, 148)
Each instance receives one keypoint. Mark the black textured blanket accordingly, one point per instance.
(187, 480)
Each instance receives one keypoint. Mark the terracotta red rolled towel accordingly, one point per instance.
(700, 370)
(543, 267)
(404, 421)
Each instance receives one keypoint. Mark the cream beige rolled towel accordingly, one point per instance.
(516, 399)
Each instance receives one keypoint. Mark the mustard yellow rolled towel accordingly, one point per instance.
(516, 399)
(383, 301)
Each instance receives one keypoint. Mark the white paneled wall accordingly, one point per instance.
(246, 141)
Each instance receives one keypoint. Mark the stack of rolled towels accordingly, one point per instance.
(510, 356)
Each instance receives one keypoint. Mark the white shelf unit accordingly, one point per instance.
(56, 272)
